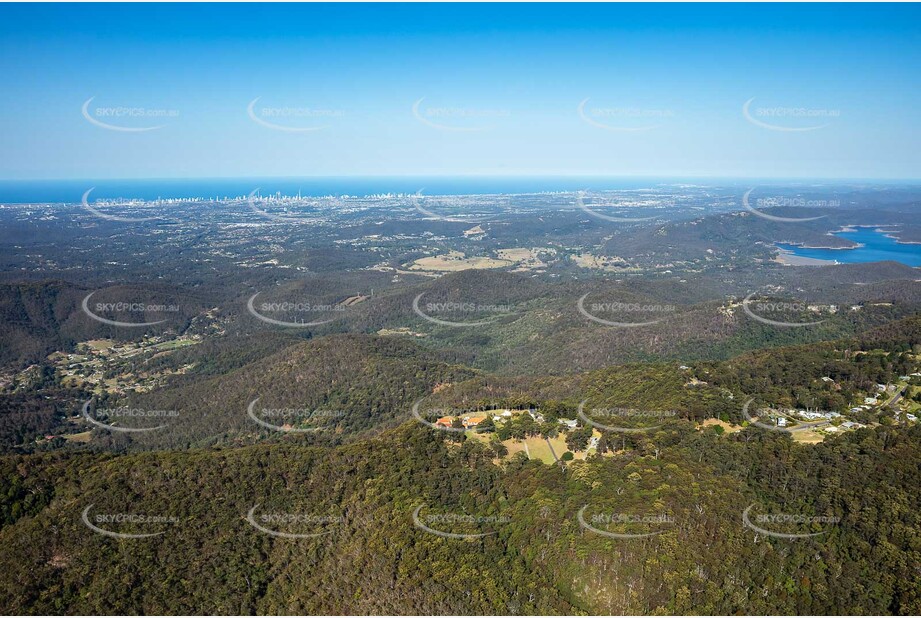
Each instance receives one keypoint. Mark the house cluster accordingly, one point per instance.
(472, 421)
(469, 422)
(817, 415)
(500, 416)
(845, 426)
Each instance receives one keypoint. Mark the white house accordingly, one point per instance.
(815, 416)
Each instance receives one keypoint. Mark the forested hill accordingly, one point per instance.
(341, 387)
(687, 488)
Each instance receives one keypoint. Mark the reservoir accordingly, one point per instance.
(874, 246)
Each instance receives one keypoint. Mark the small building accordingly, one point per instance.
(817, 415)
(472, 421)
(569, 422)
(445, 421)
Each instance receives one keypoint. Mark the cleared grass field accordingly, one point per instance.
(173, 344)
(727, 427)
(82, 437)
(455, 261)
(537, 447)
(808, 437)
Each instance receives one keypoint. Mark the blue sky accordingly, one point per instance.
(661, 89)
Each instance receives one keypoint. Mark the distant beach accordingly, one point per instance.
(788, 258)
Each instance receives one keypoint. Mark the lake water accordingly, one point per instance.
(875, 247)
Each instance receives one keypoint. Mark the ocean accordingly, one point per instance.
(33, 191)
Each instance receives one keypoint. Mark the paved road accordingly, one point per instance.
(898, 395)
(812, 425)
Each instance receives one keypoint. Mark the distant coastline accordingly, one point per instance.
(69, 191)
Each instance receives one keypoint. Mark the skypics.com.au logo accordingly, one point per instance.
(120, 204)
(259, 205)
(620, 310)
(117, 414)
(599, 202)
(288, 119)
(443, 417)
(126, 119)
(601, 522)
(788, 119)
(757, 309)
(629, 420)
(623, 119)
(293, 420)
(788, 202)
(283, 524)
(429, 206)
(296, 312)
(438, 523)
(767, 524)
(102, 523)
(778, 418)
(126, 308)
(457, 119)
(457, 309)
